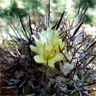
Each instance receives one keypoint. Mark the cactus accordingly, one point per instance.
(48, 60)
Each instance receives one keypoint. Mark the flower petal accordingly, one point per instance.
(51, 63)
(49, 34)
(40, 48)
(34, 49)
(58, 57)
(56, 36)
(36, 40)
(39, 59)
(62, 44)
(42, 38)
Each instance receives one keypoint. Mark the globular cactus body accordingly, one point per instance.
(49, 61)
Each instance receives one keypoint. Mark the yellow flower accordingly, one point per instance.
(48, 47)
